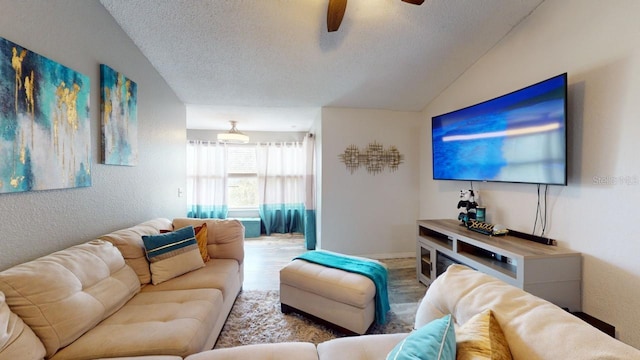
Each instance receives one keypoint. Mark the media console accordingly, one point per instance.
(550, 272)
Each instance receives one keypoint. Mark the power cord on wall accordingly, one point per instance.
(541, 211)
(541, 208)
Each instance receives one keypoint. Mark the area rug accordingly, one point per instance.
(256, 319)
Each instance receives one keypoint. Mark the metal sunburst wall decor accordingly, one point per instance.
(374, 158)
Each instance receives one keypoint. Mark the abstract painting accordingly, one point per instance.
(119, 118)
(45, 135)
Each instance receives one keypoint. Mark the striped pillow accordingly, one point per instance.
(172, 254)
(202, 237)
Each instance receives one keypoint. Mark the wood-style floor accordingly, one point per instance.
(266, 255)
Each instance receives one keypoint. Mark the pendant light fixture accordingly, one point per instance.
(233, 136)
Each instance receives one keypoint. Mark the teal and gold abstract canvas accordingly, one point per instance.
(119, 118)
(45, 134)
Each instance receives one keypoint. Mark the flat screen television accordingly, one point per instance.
(519, 137)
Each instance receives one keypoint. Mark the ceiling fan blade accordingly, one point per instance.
(335, 13)
(414, 2)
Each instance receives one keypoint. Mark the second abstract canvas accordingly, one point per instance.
(119, 118)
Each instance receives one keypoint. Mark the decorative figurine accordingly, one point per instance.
(468, 205)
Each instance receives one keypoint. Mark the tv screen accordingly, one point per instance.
(518, 137)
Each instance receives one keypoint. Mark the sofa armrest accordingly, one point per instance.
(359, 347)
(225, 237)
(426, 313)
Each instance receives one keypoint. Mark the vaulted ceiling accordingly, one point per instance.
(271, 64)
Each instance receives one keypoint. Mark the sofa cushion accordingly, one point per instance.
(534, 328)
(152, 357)
(64, 294)
(176, 323)
(129, 242)
(225, 238)
(481, 338)
(172, 254)
(287, 350)
(17, 341)
(434, 341)
(359, 347)
(221, 274)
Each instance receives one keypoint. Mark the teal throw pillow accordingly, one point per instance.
(172, 254)
(434, 341)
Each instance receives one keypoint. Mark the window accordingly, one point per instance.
(242, 183)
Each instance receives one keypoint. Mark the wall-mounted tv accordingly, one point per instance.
(519, 137)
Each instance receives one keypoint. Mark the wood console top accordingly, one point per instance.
(515, 245)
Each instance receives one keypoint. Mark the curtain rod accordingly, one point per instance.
(276, 143)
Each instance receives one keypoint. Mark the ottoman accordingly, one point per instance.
(342, 299)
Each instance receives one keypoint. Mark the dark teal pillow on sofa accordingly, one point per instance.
(172, 254)
(434, 341)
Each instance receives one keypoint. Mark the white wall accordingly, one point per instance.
(82, 35)
(362, 213)
(598, 44)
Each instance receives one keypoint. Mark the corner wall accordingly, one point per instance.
(363, 213)
(82, 35)
(597, 44)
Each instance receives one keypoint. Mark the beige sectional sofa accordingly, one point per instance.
(534, 328)
(96, 299)
(181, 319)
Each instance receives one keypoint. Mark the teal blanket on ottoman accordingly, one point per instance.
(374, 271)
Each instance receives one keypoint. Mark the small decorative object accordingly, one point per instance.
(374, 158)
(486, 228)
(351, 158)
(393, 158)
(481, 212)
(45, 130)
(119, 118)
(468, 205)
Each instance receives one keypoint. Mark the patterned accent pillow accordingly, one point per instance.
(434, 341)
(202, 235)
(482, 338)
(172, 254)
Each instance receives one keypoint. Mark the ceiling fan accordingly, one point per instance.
(335, 13)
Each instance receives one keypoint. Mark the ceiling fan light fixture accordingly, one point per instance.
(336, 10)
(335, 13)
(233, 136)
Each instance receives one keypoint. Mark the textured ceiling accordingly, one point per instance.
(271, 64)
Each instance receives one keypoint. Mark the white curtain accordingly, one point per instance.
(281, 186)
(206, 180)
